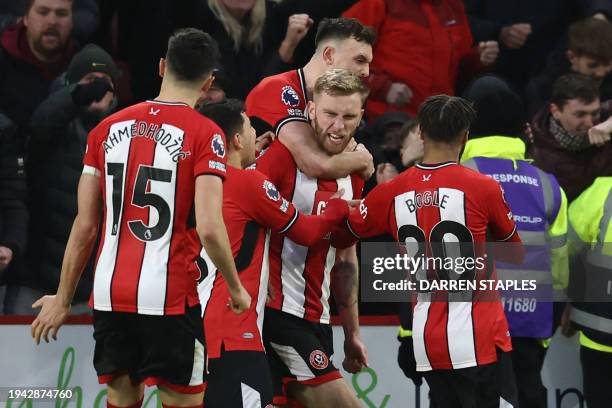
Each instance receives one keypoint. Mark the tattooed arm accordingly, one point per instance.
(344, 286)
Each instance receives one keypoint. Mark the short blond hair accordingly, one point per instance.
(341, 82)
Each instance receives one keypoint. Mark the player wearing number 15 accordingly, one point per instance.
(461, 346)
(144, 168)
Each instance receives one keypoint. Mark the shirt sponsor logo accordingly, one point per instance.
(215, 165)
(290, 97)
(271, 191)
(217, 145)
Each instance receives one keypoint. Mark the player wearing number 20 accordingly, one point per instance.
(144, 168)
(456, 344)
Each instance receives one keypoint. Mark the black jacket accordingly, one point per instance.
(13, 212)
(59, 132)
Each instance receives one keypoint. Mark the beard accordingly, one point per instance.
(322, 138)
(49, 52)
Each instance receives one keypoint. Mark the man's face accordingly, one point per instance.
(576, 116)
(49, 23)
(335, 120)
(248, 140)
(589, 66)
(354, 56)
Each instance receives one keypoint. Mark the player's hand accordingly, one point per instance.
(385, 172)
(368, 162)
(355, 354)
(264, 140)
(489, 51)
(599, 135)
(399, 94)
(50, 318)
(240, 300)
(6, 256)
(514, 36)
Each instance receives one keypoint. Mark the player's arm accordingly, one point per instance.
(270, 209)
(213, 235)
(310, 229)
(368, 219)
(344, 284)
(55, 309)
(298, 137)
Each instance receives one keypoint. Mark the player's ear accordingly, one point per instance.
(311, 109)
(208, 83)
(237, 141)
(162, 67)
(328, 55)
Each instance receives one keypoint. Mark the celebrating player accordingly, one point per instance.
(462, 347)
(143, 169)
(297, 332)
(252, 207)
(278, 102)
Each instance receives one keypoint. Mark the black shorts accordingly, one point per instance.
(155, 350)
(298, 350)
(474, 387)
(238, 379)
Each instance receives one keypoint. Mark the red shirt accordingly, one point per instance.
(251, 207)
(446, 335)
(148, 156)
(421, 43)
(279, 99)
(299, 275)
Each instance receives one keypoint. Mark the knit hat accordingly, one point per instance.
(91, 59)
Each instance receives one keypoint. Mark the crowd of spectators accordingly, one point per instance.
(67, 64)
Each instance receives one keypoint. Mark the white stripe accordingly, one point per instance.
(167, 103)
(345, 184)
(250, 397)
(197, 372)
(403, 216)
(154, 271)
(460, 330)
(108, 256)
(293, 255)
(263, 285)
(294, 362)
(92, 171)
(428, 167)
(206, 286)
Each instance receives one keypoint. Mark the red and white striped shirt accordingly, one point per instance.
(444, 203)
(299, 275)
(148, 157)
